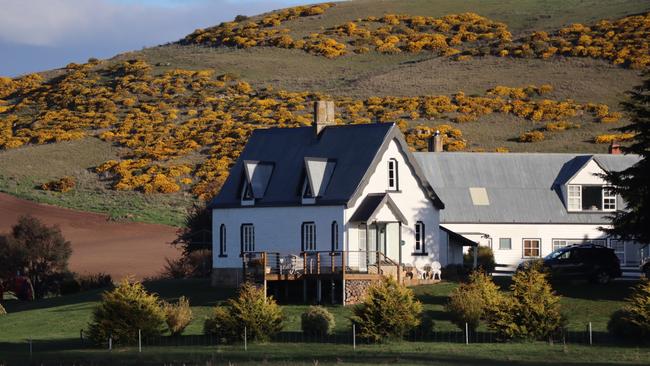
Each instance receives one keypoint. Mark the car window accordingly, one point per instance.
(566, 255)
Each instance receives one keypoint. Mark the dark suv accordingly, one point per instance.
(584, 261)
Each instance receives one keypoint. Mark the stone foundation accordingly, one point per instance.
(355, 290)
(227, 277)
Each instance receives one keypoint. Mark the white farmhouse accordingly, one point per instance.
(343, 200)
(525, 205)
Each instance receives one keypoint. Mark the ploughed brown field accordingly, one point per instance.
(99, 245)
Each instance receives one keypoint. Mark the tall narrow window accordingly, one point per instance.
(247, 238)
(609, 199)
(393, 175)
(420, 243)
(532, 248)
(222, 241)
(574, 197)
(308, 236)
(335, 236)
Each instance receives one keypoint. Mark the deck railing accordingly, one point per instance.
(259, 265)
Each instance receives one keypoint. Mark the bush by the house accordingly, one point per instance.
(484, 261)
(72, 282)
(317, 320)
(195, 264)
(178, 316)
(125, 310)
(531, 311)
(388, 311)
(251, 309)
(633, 320)
(472, 302)
(2, 310)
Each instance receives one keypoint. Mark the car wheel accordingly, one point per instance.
(603, 277)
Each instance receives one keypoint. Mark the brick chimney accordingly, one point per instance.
(323, 115)
(435, 142)
(615, 148)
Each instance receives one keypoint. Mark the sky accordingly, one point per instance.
(37, 35)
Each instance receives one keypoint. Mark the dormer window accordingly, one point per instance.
(257, 175)
(393, 177)
(247, 197)
(318, 172)
(590, 198)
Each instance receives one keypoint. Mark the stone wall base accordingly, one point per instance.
(227, 277)
(355, 290)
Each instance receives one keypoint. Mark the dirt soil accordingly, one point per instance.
(99, 245)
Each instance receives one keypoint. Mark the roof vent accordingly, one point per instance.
(479, 196)
(324, 115)
(435, 142)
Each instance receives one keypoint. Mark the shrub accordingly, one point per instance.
(252, 309)
(388, 311)
(485, 260)
(178, 316)
(2, 310)
(531, 136)
(69, 285)
(317, 320)
(64, 184)
(195, 264)
(72, 283)
(633, 320)
(455, 272)
(473, 301)
(531, 311)
(125, 310)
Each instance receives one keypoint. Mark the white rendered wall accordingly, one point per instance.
(277, 229)
(589, 175)
(412, 202)
(518, 232)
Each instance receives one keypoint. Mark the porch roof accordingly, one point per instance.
(458, 239)
(372, 205)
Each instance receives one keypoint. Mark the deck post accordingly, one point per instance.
(304, 262)
(343, 256)
(319, 290)
(264, 273)
(332, 259)
(317, 263)
(304, 291)
(399, 257)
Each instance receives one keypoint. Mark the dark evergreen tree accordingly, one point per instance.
(633, 184)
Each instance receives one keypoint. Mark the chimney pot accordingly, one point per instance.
(615, 148)
(324, 115)
(435, 142)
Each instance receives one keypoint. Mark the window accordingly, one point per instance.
(532, 248)
(335, 236)
(505, 243)
(420, 244)
(308, 236)
(247, 238)
(393, 182)
(609, 199)
(575, 198)
(222, 241)
(247, 197)
(561, 243)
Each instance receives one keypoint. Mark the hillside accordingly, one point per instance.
(145, 134)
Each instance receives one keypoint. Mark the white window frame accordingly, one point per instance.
(247, 238)
(509, 243)
(609, 199)
(531, 240)
(420, 238)
(222, 241)
(307, 200)
(308, 233)
(393, 175)
(574, 195)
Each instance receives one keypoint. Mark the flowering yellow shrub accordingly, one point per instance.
(64, 184)
(531, 136)
(609, 138)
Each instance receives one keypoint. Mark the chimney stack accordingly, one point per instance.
(615, 148)
(323, 115)
(435, 142)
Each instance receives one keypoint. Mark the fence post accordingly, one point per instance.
(466, 333)
(140, 340)
(354, 336)
(31, 347)
(245, 341)
(591, 338)
(110, 343)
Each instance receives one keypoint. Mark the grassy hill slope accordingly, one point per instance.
(199, 108)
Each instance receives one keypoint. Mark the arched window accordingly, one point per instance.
(222, 241)
(393, 175)
(335, 236)
(420, 242)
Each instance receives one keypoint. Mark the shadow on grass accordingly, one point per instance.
(613, 291)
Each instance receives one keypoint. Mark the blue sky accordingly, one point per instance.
(38, 35)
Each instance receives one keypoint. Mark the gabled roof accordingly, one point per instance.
(355, 149)
(522, 187)
(372, 205)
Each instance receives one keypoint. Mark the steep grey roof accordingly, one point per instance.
(522, 188)
(352, 147)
